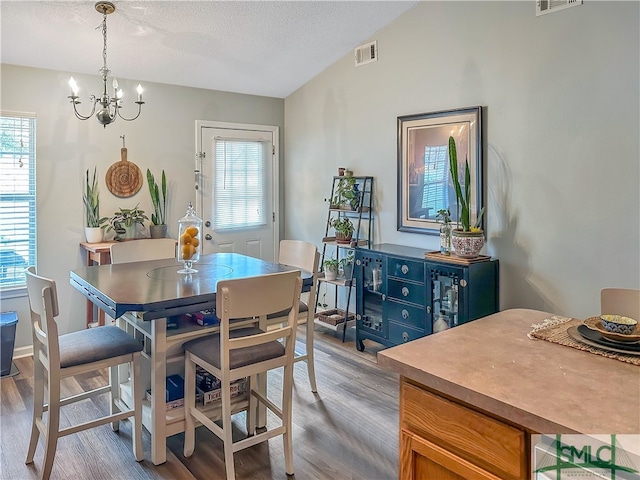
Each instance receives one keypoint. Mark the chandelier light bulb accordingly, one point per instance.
(74, 86)
(115, 83)
(139, 90)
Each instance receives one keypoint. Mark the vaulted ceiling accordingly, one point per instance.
(257, 47)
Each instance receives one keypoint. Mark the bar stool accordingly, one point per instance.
(59, 356)
(246, 352)
(305, 256)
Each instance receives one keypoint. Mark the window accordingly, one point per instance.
(17, 197)
(240, 193)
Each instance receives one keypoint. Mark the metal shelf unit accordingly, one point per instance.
(359, 210)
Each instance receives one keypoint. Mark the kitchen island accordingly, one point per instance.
(471, 397)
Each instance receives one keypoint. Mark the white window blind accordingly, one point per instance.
(436, 175)
(240, 192)
(17, 197)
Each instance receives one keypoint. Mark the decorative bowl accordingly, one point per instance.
(595, 324)
(618, 324)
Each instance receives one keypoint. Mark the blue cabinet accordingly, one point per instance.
(401, 296)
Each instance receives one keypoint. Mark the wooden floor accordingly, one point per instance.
(348, 430)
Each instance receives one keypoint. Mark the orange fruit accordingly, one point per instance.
(185, 239)
(193, 231)
(187, 251)
(195, 242)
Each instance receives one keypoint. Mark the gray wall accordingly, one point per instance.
(561, 93)
(162, 138)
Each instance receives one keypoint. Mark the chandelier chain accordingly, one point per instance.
(104, 35)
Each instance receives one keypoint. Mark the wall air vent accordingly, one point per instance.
(548, 6)
(366, 53)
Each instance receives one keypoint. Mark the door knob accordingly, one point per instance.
(208, 237)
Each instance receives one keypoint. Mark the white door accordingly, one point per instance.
(237, 181)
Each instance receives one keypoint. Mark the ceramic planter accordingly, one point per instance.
(93, 234)
(467, 244)
(158, 231)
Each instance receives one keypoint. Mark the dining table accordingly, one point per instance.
(150, 300)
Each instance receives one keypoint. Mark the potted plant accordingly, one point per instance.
(124, 221)
(344, 229)
(346, 194)
(347, 265)
(93, 222)
(159, 203)
(330, 267)
(467, 240)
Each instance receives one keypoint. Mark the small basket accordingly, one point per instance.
(334, 316)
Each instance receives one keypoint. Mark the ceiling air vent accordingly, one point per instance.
(548, 6)
(366, 53)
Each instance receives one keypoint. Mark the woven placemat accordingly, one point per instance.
(554, 330)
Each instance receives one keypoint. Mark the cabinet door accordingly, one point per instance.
(371, 285)
(446, 284)
(423, 460)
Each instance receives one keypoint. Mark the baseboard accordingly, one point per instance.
(23, 352)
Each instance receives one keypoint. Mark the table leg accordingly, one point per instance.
(158, 389)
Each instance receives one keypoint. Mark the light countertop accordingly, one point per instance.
(492, 365)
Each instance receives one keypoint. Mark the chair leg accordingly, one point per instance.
(310, 357)
(53, 426)
(136, 391)
(114, 383)
(287, 394)
(38, 403)
(227, 428)
(252, 412)
(189, 403)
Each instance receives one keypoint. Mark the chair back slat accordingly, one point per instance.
(142, 250)
(299, 254)
(43, 303)
(255, 296)
(303, 255)
(620, 301)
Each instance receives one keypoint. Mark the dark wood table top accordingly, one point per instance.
(156, 289)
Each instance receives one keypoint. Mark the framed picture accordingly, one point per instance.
(424, 179)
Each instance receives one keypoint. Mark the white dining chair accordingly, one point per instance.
(143, 249)
(305, 256)
(620, 301)
(246, 352)
(56, 357)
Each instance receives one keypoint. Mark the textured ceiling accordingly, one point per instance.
(258, 47)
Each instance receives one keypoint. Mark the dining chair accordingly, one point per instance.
(620, 301)
(143, 249)
(305, 256)
(56, 357)
(248, 352)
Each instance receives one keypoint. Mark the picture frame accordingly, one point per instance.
(424, 178)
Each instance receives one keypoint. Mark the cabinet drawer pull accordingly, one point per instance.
(358, 262)
(405, 337)
(405, 291)
(405, 269)
(384, 297)
(428, 308)
(405, 313)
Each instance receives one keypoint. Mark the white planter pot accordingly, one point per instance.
(330, 274)
(93, 234)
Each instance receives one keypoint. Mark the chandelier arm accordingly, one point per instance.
(75, 101)
(130, 119)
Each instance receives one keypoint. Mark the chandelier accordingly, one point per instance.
(110, 107)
